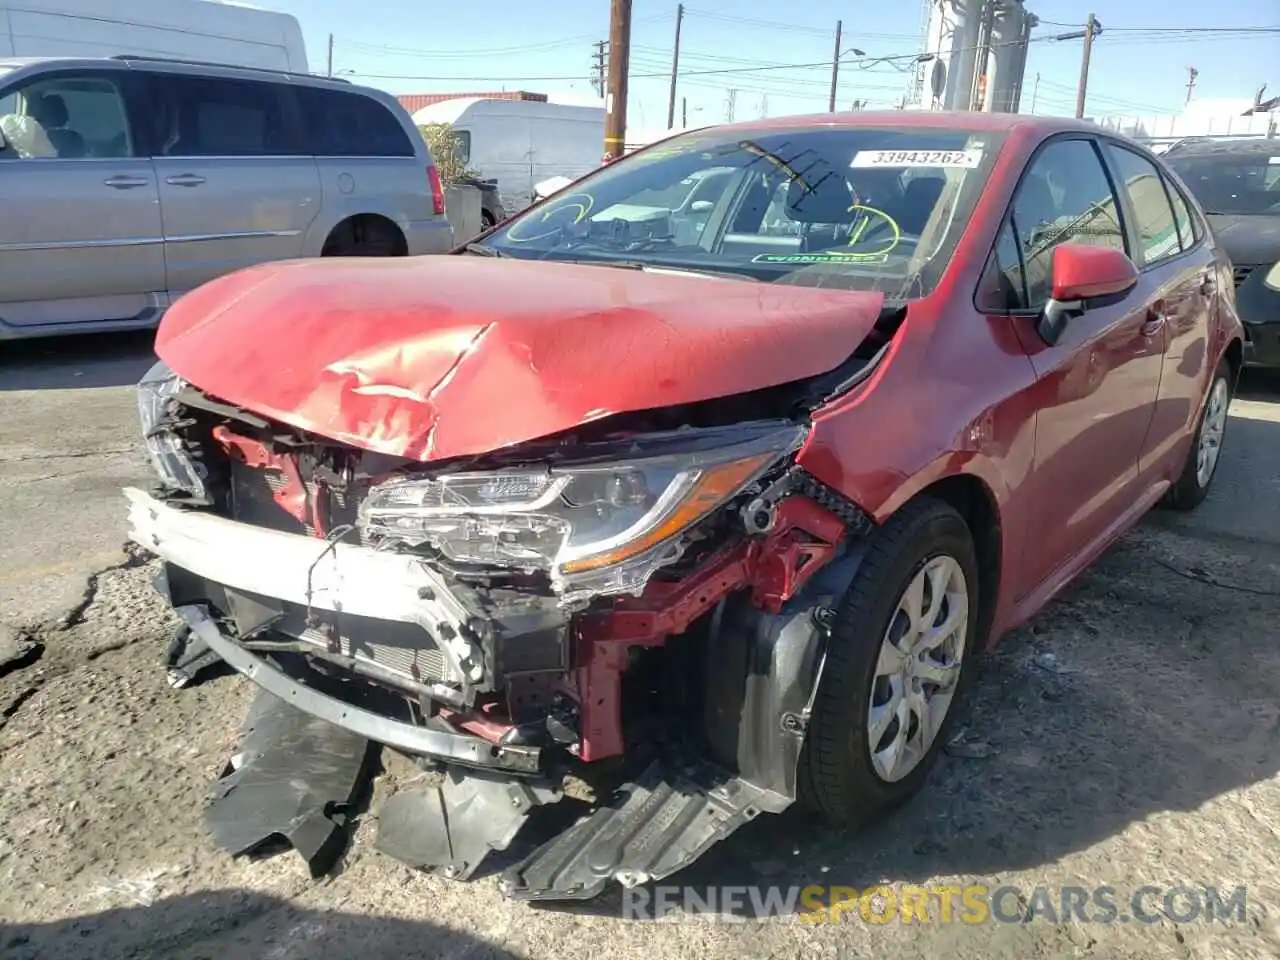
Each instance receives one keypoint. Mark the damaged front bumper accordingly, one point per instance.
(233, 583)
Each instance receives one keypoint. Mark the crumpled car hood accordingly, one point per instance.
(443, 356)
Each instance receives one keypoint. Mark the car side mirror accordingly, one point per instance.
(702, 206)
(1083, 276)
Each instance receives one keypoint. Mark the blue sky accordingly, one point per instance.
(412, 47)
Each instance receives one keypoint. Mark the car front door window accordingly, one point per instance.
(1064, 197)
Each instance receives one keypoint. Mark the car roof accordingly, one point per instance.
(1252, 145)
(177, 64)
(976, 122)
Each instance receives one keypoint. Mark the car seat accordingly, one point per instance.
(821, 202)
(50, 111)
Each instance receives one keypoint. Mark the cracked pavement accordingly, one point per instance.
(1129, 735)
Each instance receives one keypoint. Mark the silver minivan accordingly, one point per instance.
(126, 182)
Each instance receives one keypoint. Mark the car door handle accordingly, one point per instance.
(185, 180)
(123, 182)
(1155, 321)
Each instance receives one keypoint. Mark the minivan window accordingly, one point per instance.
(343, 124)
(216, 117)
(1157, 228)
(66, 117)
(856, 207)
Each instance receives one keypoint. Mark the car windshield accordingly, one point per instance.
(859, 207)
(1236, 183)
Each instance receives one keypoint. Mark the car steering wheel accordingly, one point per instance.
(873, 225)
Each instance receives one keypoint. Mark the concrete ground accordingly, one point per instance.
(1129, 736)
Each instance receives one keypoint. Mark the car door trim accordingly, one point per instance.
(80, 244)
(233, 235)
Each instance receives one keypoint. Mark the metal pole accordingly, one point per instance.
(615, 122)
(1084, 67)
(675, 68)
(330, 61)
(684, 112)
(835, 69)
(1035, 93)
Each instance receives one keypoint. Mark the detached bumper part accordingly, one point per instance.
(295, 778)
(658, 825)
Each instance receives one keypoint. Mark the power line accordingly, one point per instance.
(769, 67)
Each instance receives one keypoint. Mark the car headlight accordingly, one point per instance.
(601, 524)
(169, 457)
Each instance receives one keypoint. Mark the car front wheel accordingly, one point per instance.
(895, 665)
(1192, 486)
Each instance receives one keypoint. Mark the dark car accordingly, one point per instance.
(1238, 184)
(695, 489)
(491, 209)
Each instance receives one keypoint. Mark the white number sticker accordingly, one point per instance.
(917, 158)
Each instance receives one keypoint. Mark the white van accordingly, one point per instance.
(204, 30)
(521, 143)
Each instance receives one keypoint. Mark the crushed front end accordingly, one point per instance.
(639, 610)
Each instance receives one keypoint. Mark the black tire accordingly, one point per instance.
(1190, 489)
(364, 240)
(486, 219)
(837, 777)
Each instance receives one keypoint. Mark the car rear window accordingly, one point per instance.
(856, 206)
(345, 124)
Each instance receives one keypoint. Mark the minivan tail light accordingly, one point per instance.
(437, 191)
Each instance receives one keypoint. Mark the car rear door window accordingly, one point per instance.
(1187, 227)
(219, 117)
(1065, 196)
(1156, 227)
(344, 124)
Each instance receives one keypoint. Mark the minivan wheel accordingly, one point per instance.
(367, 239)
(1201, 466)
(486, 219)
(895, 665)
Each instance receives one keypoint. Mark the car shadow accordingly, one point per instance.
(1150, 686)
(235, 924)
(76, 363)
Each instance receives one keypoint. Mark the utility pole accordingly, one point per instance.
(835, 69)
(615, 102)
(684, 113)
(1035, 93)
(764, 105)
(1192, 73)
(330, 62)
(729, 106)
(1090, 29)
(597, 73)
(675, 68)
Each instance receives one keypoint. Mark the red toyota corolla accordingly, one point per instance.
(693, 490)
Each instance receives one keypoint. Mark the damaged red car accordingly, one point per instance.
(690, 493)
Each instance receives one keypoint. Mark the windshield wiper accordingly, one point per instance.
(480, 250)
(661, 268)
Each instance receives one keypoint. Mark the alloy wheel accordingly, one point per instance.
(918, 669)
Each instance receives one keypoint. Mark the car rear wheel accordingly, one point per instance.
(364, 239)
(1206, 449)
(895, 665)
